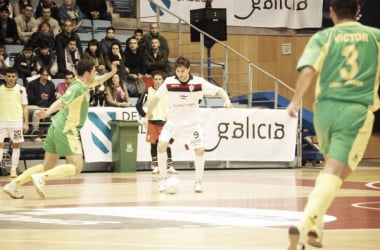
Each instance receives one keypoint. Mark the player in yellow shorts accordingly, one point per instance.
(63, 134)
(345, 58)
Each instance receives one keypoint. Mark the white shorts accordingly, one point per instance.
(14, 134)
(191, 136)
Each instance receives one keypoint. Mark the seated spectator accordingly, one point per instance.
(46, 17)
(62, 39)
(94, 9)
(139, 34)
(26, 64)
(8, 6)
(155, 33)
(115, 54)
(44, 35)
(46, 58)
(41, 94)
(70, 59)
(156, 58)
(70, 11)
(93, 53)
(116, 93)
(54, 13)
(18, 6)
(62, 86)
(4, 61)
(107, 41)
(8, 33)
(134, 59)
(26, 24)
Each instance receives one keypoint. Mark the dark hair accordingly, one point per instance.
(158, 72)
(182, 61)
(138, 31)
(84, 66)
(43, 23)
(27, 47)
(44, 69)
(68, 72)
(11, 70)
(110, 28)
(345, 8)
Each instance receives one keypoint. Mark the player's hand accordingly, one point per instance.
(144, 122)
(228, 105)
(114, 66)
(292, 110)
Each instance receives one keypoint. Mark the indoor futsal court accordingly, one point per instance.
(238, 210)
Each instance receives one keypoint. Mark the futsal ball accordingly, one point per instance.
(172, 185)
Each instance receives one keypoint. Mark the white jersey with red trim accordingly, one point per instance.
(184, 99)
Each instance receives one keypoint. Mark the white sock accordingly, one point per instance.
(199, 164)
(15, 158)
(162, 158)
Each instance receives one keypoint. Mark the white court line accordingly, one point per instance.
(363, 205)
(373, 185)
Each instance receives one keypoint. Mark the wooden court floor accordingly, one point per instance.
(238, 210)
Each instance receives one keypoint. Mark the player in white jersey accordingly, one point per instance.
(184, 92)
(13, 116)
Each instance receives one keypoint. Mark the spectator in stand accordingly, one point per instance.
(155, 33)
(4, 61)
(70, 11)
(107, 41)
(18, 6)
(156, 58)
(139, 34)
(26, 64)
(8, 6)
(46, 58)
(41, 94)
(115, 54)
(62, 39)
(26, 24)
(49, 4)
(93, 53)
(8, 32)
(94, 9)
(116, 93)
(62, 86)
(70, 59)
(134, 59)
(44, 35)
(46, 17)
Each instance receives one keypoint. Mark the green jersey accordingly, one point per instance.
(347, 58)
(74, 114)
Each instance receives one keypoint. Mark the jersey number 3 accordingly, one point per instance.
(351, 54)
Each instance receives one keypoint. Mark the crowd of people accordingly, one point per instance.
(52, 49)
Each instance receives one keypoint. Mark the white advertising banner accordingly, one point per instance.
(293, 14)
(230, 135)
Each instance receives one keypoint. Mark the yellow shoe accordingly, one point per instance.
(13, 174)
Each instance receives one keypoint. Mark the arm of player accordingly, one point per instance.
(152, 105)
(43, 113)
(108, 75)
(304, 81)
(223, 94)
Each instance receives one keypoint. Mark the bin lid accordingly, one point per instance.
(124, 123)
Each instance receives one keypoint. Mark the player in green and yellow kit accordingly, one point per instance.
(346, 60)
(63, 134)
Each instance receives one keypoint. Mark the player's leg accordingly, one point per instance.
(66, 144)
(169, 162)
(153, 154)
(199, 164)
(16, 137)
